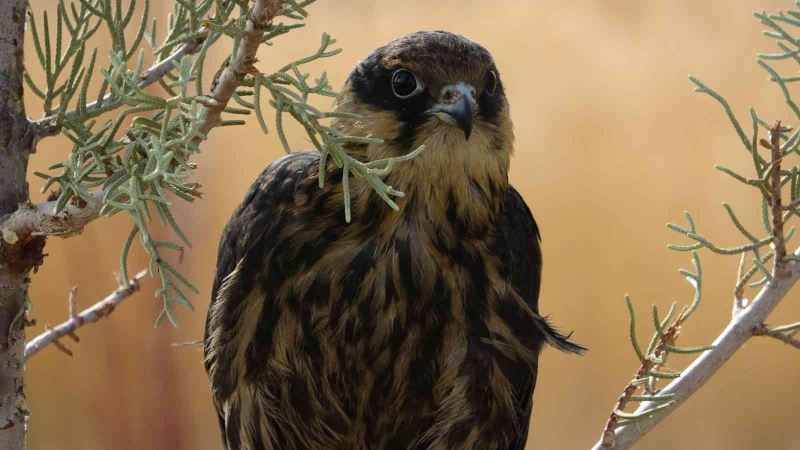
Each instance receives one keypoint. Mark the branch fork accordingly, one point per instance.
(41, 220)
(738, 331)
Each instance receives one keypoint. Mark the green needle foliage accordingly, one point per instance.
(133, 148)
(289, 92)
(757, 246)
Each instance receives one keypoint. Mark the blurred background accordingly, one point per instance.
(611, 144)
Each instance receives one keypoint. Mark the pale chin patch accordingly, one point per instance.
(446, 118)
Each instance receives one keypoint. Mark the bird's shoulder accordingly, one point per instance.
(273, 190)
(277, 184)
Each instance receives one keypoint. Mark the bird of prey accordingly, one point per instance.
(409, 329)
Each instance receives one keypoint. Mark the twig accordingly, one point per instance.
(188, 343)
(738, 331)
(666, 339)
(101, 309)
(50, 125)
(775, 196)
(762, 330)
(260, 20)
(739, 302)
(73, 302)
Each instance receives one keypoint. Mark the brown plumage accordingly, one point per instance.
(416, 328)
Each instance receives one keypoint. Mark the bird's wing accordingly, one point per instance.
(239, 256)
(273, 188)
(521, 251)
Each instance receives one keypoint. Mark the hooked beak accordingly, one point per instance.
(456, 106)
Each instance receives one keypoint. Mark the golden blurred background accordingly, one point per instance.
(611, 145)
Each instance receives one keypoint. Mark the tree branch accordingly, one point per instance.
(99, 310)
(33, 220)
(666, 339)
(16, 261)
(738, 331)
(776, 198)
(40, 219)
(242, 63)
(786, 338)
(50, 125)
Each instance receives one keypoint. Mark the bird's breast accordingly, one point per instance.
(380, 331)
(395, 331)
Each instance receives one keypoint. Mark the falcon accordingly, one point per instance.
(409, 329)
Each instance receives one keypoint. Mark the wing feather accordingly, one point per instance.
(520, 247)
(235, 297)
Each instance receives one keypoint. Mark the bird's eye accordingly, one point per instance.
(490, 83)
(405, 83)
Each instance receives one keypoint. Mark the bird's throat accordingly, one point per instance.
(453, 181)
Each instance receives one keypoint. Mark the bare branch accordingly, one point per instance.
(195, 343)
(738, 331)
(73, 302)
(775, 197)
(99, 310)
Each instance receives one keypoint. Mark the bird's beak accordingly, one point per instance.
(456, 106)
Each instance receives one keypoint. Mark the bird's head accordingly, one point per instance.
(438, 89)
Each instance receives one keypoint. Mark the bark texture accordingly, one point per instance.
(17, 256)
